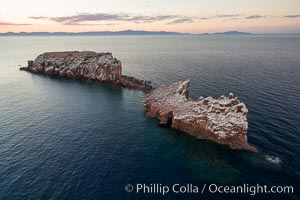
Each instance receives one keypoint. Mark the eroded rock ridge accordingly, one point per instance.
(222, 120)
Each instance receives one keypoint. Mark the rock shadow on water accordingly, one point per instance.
(87, 91)
(206, 161)
(64, 80)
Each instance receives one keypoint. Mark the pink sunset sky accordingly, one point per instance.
(193, 16)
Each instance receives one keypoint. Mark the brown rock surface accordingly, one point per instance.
(222, 120)
(85, 65)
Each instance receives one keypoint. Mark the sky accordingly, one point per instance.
(188, 16)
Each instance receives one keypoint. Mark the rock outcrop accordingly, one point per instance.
(222, 120)
(85, 65)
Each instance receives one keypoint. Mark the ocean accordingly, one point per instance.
(65, 139)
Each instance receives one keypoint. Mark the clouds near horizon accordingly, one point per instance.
(13, 24)
(99, 18)
(84, 18)
(255, 17)
(292, 16)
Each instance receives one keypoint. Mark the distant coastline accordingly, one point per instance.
(131, 32)
(126, 32)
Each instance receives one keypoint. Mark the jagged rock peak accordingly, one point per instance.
(222, 120)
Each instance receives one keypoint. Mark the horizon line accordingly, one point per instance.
(146, 31)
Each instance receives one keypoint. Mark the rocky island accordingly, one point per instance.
(85, 65)
(222, 120)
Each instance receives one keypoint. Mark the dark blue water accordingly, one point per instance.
(62, 139)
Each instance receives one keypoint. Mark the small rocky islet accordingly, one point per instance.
(222, 120)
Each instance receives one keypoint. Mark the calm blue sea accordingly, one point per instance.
(63, 139)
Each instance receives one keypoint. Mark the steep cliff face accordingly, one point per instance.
(85, 65)
(222, 120)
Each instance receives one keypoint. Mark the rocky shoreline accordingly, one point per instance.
(222, 120)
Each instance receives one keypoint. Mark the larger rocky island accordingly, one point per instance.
(222, 120)
(85, 65)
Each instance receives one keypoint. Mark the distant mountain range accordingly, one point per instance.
(90, 33)
(127, 32)
(232, 33)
